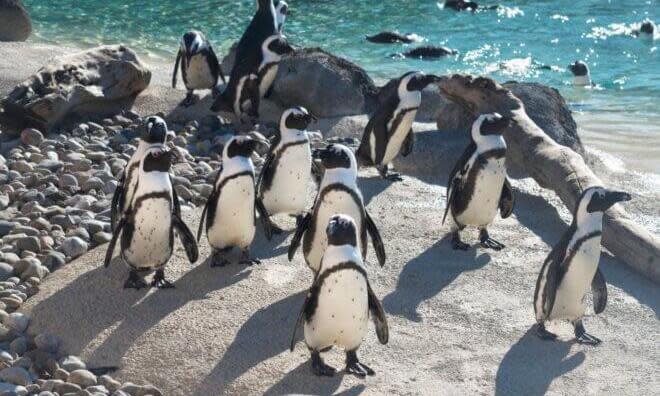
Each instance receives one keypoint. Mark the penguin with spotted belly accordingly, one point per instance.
(147, 228)
(200, 68)
(572, 267)
(285, 176)
(337, 308)
(478, 186)
(229, 215)
(154, 135)
(389, 130)
(338, 193)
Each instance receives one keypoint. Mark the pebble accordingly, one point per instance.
(61, 374)
(35, 269)
(6, 271)
(74, 247)
(31, 137)
(83, 378)
(183, 192)
(67, 387)
(102, 237)
(15, 375)
(94, 226)
(29, 243)
(72, 363)
(93, 183)
(54, 260)
(6, 227)
(17, 321)
(110, 383)
(47, 342)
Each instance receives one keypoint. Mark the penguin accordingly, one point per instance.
(229, 215)
(287, 171)
(272, 50)
(338, 193)
(281, 12)
(427, 52)
(646, 30)
(147, 228)
(200, 68)
(478, 186)
(337, 307)
(154, 134)
(581, 75)
(389, 130)
(390, 38)
(461, 5)
(572, 266)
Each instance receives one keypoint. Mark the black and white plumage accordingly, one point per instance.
(389, 130)
(477, 186)
(390, 38)
(200, 68)
(646, 30)
(281, 12)
(337, 308)
(427, 52)
(154, 135)
(461, 5)
(229, 215)
(571, 268)
(147, 228)
(272, 50)
(581, 74)
(286, 174)
(338, 194)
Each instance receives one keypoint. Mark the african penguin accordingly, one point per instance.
(646, 30)
(461, 5)
(390, 37)
(581, 75)
(337, 308)
(427, 52)
(147, 228)
(200, 68)
(477, 186)
(389, 130)
(229, 215)
(154, 134)
(285, 176)
(272, 50)
(572, 266)
(281, 12)
(338, 193)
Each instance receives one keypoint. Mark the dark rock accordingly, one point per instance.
(31, 137)
(15, 23)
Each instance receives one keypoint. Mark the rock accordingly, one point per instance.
(6, 271)
(74, 247)
(93, 183)
(31, 137)
(54, 260)
(4, 201)
(110, 383)
(35, 269)
(72, 363)
(140, 390)
(67, 387)
(68, 180)
(47, 342)
(15, 23)
(183, 192)
(328, 86)
(82, 377)
(110, 186)
(29, 243)
(102, 80)
(93, 226)
(102, 237)
(6, 227)
(61, 374)
(17, 321)
(16, 375)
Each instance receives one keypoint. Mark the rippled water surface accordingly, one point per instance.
(621, 115)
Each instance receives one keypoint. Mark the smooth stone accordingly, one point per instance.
(183, 192)
(54, 260)
(74, 247)
(15, 22)
(31, 137)
(68, 180)
(29, 243)
(83, 378)
(110, 383)
(93, 226)
(50, 384)
(17, 321)
(35, 269)
(93, 183)
(101, 237)
(47, 342)
(16, 375)
(72, 363)
(67, 387)
(6, 227)
(6, 271)
(18, 346)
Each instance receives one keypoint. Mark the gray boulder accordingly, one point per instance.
(15, 23)
(101, 81)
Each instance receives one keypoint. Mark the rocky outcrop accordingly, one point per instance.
(15, 23)
(99, 82)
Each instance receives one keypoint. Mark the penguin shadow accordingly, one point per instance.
(202, 105)
(643, 290)
(427, 274)
(301, 381)
(264, 335)
(532, 364)
(264, 249)
(371, 186)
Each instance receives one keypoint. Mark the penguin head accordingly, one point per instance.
(281, 11)
(157, 159)
(579, 68)
(492, 124)
(192, 43)
(596, 200)
(155, 131)
(276, 46)
(297, 118)
(647, 28)
(336, 157)
(243, 146)
(416, 81)
(341, 230)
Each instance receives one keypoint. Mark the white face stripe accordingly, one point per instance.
(403, 85)
(488, 142)
(287, 113)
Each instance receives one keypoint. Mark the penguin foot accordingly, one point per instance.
(134, 281)
(544, 334)
(247, 260)
(319, 367)
(457, 244)
(489, 243)
(219, 262)
(582, 337)
(394, 177)
(160, 282)
(383, 171)
(353, 366)
(189, 100)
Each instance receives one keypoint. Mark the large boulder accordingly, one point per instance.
(15, 23)
(99, 82)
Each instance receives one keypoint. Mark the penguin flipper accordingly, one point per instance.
(507, 199)
(456, 176)
(451, 189)
(299, 321)
(599, 290)
(176, 68)
(297, 237)
(113, 242)
(187, 238)
(176, 206)
(408, 144)
(116, 201)
(376, 240)
(264, 217)
(214, 66)
(378, 316)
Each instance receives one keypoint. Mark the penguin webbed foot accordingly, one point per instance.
(247, 260)
(582, 337)
(189, 100)
(387, 175)
(160, 282)
(134, 281)
(456, 242)
(489, 243)
(218, 259)
(319, 367)
(353, 366)
(544, 334)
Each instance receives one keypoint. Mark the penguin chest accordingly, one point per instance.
(198, 74)
(243, 100)
(341, 315)
(486, 187)
(151, 243)
(268, 74)
(291, 177)
(233, 221)
(569, 298)
(397, 136)
(332, 203)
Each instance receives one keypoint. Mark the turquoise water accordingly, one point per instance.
(621, 115)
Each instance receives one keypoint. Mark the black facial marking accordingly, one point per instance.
(579, 69)
(155, 130)
(334, 157)
(241, 148)
(341, 231)
(421, 81)
(298, 121)
(647, 27)
(280, 46)
(159, 161)
(495, 126)
(605, 199)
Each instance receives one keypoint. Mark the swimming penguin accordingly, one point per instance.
(229, 215)
(272, 50)
(477, 185)
(147, 228)
(461, 5)
(646, 30)
(428, 52)
(285, 176)
(389, 130)
(281, 12)
(154, 134)
(338, 193)
(581, 75)
(337, 308)
(390, 37)
(572, 266)
(200, 68)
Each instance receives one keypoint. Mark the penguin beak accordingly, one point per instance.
(602, 202)
(259, 139)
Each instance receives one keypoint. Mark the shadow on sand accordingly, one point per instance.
(300, 381)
